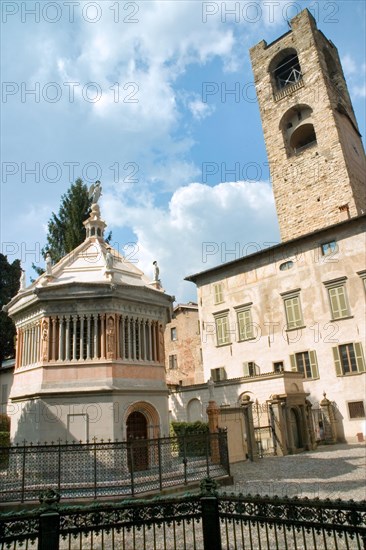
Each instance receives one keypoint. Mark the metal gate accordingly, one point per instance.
(264, 432)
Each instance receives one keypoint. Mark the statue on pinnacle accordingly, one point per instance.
(95, 192)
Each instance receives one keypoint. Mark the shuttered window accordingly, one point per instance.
(245, 324)
(293, 312)
(173, 363)
(348, 359)
(218, 374)
(218, 294)
(250, 368)
(338, 302)
(306, 363)
(222, 330)
(356, 409)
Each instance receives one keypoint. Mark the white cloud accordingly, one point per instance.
(355, 74)
(349, 65)
(202, 226)
(199, 109)
(359, 91)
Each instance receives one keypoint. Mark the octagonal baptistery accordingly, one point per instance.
(90, 348)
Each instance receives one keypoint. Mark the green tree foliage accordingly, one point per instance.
(65, 229)
(4, 440)
(191, 438)
(9, 286)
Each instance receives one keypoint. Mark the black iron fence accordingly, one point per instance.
(119, 468)
(205, 521)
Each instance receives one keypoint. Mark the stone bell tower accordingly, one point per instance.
(314, 147)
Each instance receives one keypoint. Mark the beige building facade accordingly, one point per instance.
(297, 307)
(287, 324)
(90, 349)
(183, 354)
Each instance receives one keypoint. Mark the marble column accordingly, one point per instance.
(96, 336)
(150, 356)
(61, 354)
(128, 342)
(26, 355)
(17, 349)
(139, 321)
(74, 337)
(81, 357)
(123, 336)
(133, 342)
(143, 341)
(118, 341)
(39, 342)
(68, 338)
(102, 336)
(53, 338)
(31, 345)
(88, 338)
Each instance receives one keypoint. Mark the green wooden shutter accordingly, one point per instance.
(313, 364)
(343, 301)
(227, 331)
(293, 312)
(338, 301)
(241, 325)
(289, 313)
(245, 325)
(359, 357)
(248, 324)
(219, 333)
(222, 372)
(297, 311)
(337, 361)
(224, 330)
(218, 293)
(246, 368)
(293, 362)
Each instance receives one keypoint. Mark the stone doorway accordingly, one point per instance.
(137, 429)
(295, 427)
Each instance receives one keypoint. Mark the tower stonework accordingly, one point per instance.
(314, 147)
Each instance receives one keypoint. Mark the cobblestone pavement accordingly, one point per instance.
(334, 471)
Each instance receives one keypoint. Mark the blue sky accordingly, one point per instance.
(133, 94)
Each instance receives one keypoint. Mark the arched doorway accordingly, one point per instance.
(136, 425)
(295, 428)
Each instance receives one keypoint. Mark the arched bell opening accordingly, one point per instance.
(285, 69)
(298, 129)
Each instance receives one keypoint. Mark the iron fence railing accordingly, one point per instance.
(203, 521)
(102, 469)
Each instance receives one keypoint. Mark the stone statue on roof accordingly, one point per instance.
(95, 192)
(48, 264)
(156, 271)
(23, 282)
(109, 259)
